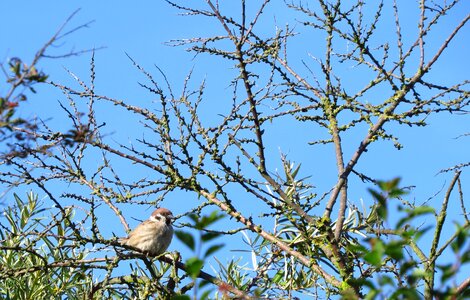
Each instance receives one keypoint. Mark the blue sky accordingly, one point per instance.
(141, 30)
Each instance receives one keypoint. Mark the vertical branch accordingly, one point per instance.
(421, 34)
(399, 42)
(244, 35)
(255, 115)
(362, 148)
(394, 101)
(429, 279)
(330, 108)
(462, 203)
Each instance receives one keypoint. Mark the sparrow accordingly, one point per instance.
(152, 236)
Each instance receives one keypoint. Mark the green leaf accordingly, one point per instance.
(205, 295)
(43, 78)
(390, 185)
(296, 171)
(412, 213)
(394, 249)
(203, 283)
(381, 206)
(10, 217)
(205, 221)
(194, 266)
(60, 230)
(422, 230)
(9, 114)
(374, 257)
(417, 275)
(361, 283)
(459, 239)
(213, 249)
(406, 293)
(194, 218)
(180, 297)
(186, 238)
(207, 236)
(15, 68)
(386, 280)
(24, 216)
(278, 277)
(408, 233)
(372, 295)
(447, 272)
(378, 196)
(356, 249)
(421, 210)
(465, 257)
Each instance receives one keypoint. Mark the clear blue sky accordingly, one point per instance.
(141, 30)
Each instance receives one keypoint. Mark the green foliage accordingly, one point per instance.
(186, 238)
(374, 257)
(412, 213)
(194, 266)
(20, 78)
(180, 297)
(388, 252)
(29, 255)
(203, 236)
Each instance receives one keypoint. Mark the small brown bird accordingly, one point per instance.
(152, 236)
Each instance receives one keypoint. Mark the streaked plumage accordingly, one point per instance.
(152, 236)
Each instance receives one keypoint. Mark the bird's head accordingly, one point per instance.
(162, 215)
